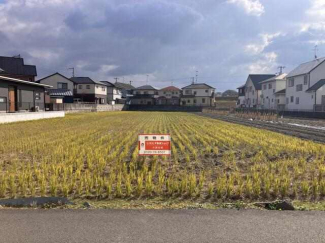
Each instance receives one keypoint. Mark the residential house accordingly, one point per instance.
(270, 87)
(144, 95)
(89, 91)
(305, 87)
(253, 89)
(241, 97)
(14, 67)
(62, 88)
(280, 97)
(198, 94)
(114, 94)
(169, 96)
(19, 95)
(126, 89)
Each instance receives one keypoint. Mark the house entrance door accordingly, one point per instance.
(12, 99)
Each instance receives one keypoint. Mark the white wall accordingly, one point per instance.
(268, 100)
(306, 100)
(169, 94)
(252, 96)
(55, 79)
(93, 89)
(143, 91)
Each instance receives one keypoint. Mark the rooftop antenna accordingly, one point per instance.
(197, 74)
(131, 82)
(316, 50)
(116, 79)
(72, 71)
(281, 69)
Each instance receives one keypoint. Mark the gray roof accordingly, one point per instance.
(60, 92)
(258, 78)
(280, 77)
(306, 67)
(282, 91)
(38, 81)
(84, 80)
(16, 66)
(146, 87)
(14, 80)
(316, 86)
(108, 84)
(198, 86)
(124, 86)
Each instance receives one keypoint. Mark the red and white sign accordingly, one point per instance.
(154, 144)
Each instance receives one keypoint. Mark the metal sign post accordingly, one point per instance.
(154, 144)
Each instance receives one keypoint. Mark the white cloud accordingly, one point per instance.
(251, 7)
(267, 63)
(266, 40)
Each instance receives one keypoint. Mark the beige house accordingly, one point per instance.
(169, 96)
(198, 94)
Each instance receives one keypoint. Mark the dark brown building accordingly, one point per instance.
(14, 67)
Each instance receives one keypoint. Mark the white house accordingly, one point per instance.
(198, 94)
(241, 97)
(305, 87)
(270, 87)
(253, 90)
(114, 94)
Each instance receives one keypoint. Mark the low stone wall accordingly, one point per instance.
(73, 108)
(28, 116)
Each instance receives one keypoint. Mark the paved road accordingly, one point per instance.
(160, 226)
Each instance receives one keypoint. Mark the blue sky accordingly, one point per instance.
(169, 41)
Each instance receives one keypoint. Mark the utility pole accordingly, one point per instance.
(281, 69)
(131, 82)
(116, 79)
(197, 74)
(72, 71)
(315, 51)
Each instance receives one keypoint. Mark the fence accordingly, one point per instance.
(84, 107)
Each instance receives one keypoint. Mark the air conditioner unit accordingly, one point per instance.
(36, 108)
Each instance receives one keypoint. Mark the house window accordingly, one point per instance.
(287, 100)
(253, 92)
(297, 100)
(291, 99)
(312, 97)
(194, 101)
(156, 92)
(173, 93)
(80, 86)
(264, 86)
(188, 101)
(278, 100)
(103, 89)
(305, 80)
(194, 93)
(188, 91)
(291, 82)
(176, 93)
(206, 91)
(253, 101)
(299, 87)
(145, 92)
(273, 91)
(138, 92)
(3, 100)
(203, 100)
(97, 87)
(88, 86)
(270, 86)
(62, 86)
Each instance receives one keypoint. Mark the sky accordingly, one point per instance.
(163, 42)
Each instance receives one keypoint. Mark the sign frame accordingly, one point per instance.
(159, 140)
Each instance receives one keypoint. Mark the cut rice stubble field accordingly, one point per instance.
(95, 155)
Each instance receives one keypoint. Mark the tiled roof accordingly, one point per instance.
(146, 87)
(14, 80)
(317, 85)
(198, 86)
(306, 67)
(38, 81)
(16, 66)
(258, 78)
(60, 92)
(124, 86)
(170, 88)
